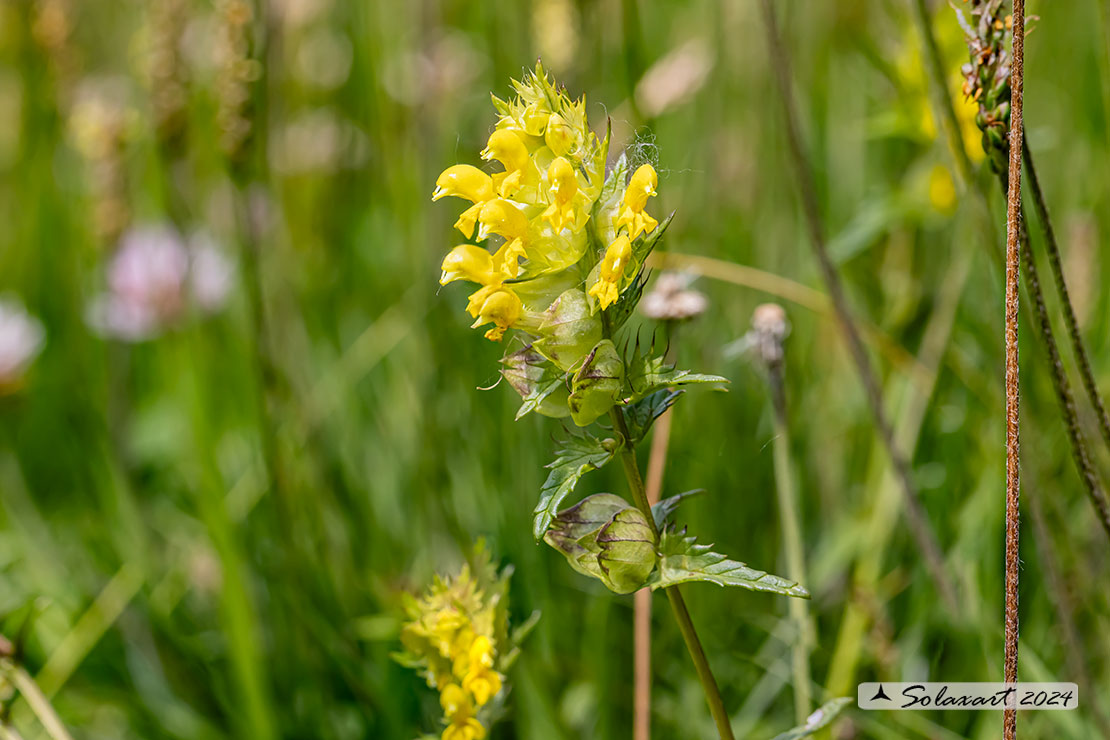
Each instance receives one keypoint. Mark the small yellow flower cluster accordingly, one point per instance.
(453, 639)
(548, 210)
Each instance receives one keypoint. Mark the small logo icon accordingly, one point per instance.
(880, 694)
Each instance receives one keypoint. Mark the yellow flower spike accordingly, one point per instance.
(559, 136)
(564, 186)
(468, 262)
(464, 181)
(631, 214)
(502, 218)
(495, 304)
(611, 270)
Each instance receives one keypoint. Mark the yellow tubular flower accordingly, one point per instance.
(496, 304)
(480, 679)
(611, 270)
(564, 186)
(507, 148)
(470, 183)
(483, 683)
(481, 652)
(455, 701)
(468, 729)
(631, 214)
(464, 181)
(460, 715)
(502, 218)
(468, 262)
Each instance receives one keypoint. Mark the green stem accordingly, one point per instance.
(792, 537)
(678, 605)
(40, 705)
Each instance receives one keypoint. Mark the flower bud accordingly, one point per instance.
(568, 330)
(559, 136)
(535, 120)
(597, 384)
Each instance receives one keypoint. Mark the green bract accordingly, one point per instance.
(569, 330)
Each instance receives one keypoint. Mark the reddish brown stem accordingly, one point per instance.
(641, 716)
(1013, 482)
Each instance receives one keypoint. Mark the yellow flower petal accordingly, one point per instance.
(611, 270)
(507, 148)
(631, 214)
(498, 305)
(468, 262)
(464, 181)
(501, 217)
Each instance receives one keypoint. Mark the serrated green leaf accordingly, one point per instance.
(820, 719)
(578, 455)
(682, 560)
(662, 511)
(621, 311)
(648, 375)
(641, 414)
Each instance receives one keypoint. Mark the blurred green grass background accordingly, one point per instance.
(160, 588)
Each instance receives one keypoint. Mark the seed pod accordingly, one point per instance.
(597, 385)
(606, 538)
(627, 551)
(574, 531)
(528, 372)
(568, 330)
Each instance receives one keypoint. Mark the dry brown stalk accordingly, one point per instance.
(1013, 481)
